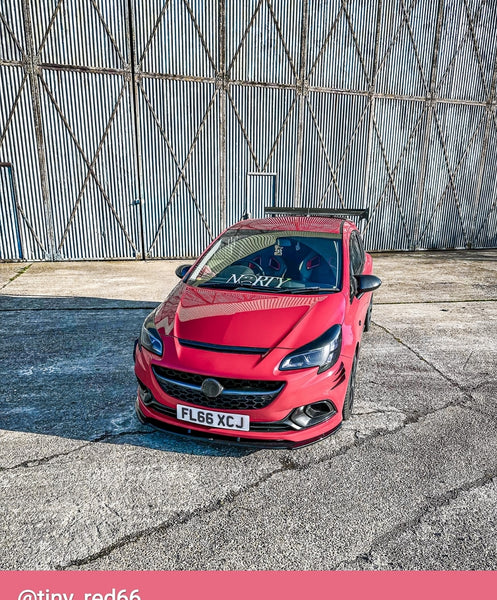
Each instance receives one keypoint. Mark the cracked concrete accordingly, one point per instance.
(440, 335)
(386, 480)
(442, 537)
(409, 482)
(11, 271)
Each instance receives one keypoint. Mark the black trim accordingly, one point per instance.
(225, 439)
(156, 406)
(339, 377)
(182, 270)
(362, 213)
(220, 348)
(367, 283)
(356, 238)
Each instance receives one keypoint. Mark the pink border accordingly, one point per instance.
(253, 585)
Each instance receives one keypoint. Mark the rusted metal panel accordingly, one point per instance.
(263, 40)
(132, 126)
(260, 142)
(90, 162)
(177, 37)
(18, 147)
(340, 44)
(180, 161)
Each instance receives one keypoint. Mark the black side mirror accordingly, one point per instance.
(182, 270)
(367, 283)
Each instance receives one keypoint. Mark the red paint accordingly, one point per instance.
(278, 322)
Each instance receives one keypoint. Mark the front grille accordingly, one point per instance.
(238, 394)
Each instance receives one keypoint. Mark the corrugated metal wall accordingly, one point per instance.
(132, 128)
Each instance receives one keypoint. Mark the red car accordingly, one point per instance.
(258, 343)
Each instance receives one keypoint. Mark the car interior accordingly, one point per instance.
(313, 261)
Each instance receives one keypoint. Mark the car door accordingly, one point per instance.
(358, 304)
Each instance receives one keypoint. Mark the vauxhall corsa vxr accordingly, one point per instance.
(258, 344)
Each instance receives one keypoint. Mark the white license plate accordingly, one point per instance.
(211, 418)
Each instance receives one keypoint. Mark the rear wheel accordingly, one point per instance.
(348, 403)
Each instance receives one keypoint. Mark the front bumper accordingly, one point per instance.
(269, 425)
(210, 436)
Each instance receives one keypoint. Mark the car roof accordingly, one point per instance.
(290, 223)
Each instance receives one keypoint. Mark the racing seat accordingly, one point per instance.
(315, 269)
(266, 263)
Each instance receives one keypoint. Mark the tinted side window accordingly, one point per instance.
(357, 257)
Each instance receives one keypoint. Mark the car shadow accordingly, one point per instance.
(66, 369)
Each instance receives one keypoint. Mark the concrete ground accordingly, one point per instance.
(410, 482)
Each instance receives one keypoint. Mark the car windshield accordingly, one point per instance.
(272, 261)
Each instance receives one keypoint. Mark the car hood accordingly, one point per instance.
(247, 319)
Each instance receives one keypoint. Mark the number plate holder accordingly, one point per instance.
(213, 418)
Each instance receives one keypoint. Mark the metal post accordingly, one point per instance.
(301, 91)
(430, 102)
(372, 90)
(222, 79)
(491, 101)
(31, 64)
(133, 79)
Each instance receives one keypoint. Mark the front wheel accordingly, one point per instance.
(348, 403)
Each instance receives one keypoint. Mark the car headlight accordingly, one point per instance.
(323, 352)
(150, 338)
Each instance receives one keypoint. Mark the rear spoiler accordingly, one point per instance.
(362, 213)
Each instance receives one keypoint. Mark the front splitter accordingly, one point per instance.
(209, 437)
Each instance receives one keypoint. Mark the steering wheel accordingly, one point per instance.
(254, 266)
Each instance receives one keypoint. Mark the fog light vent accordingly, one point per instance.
(144, 393)
(312, 414)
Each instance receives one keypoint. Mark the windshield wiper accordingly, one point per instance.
(219, 284)
(259, 288)
(287, 290)
(236, 287)
(308, 290)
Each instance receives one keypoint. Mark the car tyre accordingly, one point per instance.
(367, 321)
(348, 402)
